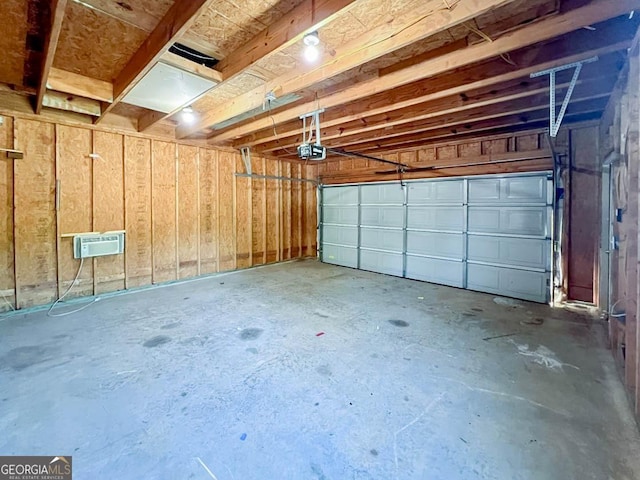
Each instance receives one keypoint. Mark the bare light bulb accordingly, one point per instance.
(311, 53)
(187, 115)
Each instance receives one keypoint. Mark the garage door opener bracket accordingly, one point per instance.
(556, 121)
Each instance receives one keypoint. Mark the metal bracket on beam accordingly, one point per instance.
(246, 158)
(315, 120)
(556, 121)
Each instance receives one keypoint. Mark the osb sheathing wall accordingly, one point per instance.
(184, 211)
(620, 136)
(454, 158)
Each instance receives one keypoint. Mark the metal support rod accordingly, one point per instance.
(274, 177)
(368, 157)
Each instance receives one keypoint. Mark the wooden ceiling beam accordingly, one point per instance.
(471, 124)
(288, 29)
(594, 12)
(307, 17)
(75, 84)
(427, 113)
(457, 85)
(474, 124)
(71, 103)
(50, 45)
(386, 38)
(181, 15)
(505, 96)
(184, 64)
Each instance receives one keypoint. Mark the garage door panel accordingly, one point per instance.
(343, 256)
(522, 252)
(341, 235)
(444, 272)
(380, 239)
(381, 262)
(449, 245)
(382, 216)
(509, 220)
(509, 282)
(510, 190)
(436, 218)
(450, 191)
(382, 194)
(342, 215)
(340, 195)
(490, 233)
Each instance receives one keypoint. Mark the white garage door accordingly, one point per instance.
(490, 233)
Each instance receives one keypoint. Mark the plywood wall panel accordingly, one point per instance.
(272, 234)
(108, 206)
(583, 217)
(226, 209)
(75, 175)
(35, 224)
(310, 212)
(7, 285)
(188, 212)
(527, 143)
(184, 211)
(243, 217)
(163, 168)
(259, 212)
(208, 184)
(137, 168)
(427, 155)
(471, 149)
(285, 212)
(499, 145)
(296, 211)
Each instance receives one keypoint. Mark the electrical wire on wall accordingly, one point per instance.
(50, 311)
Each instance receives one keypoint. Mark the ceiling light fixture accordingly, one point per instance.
(187, 115)
(311, 51)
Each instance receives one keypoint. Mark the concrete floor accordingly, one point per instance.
(408, 381)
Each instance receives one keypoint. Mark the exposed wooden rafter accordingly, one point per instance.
(403, 30)
(592, 13)
(173, 25)
(69, 82)
(51, 44)
(306, 17)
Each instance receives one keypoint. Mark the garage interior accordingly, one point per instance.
(321, 238)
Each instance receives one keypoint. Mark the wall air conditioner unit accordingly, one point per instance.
(98, 244)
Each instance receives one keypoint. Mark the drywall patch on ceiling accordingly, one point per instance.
(166, 88)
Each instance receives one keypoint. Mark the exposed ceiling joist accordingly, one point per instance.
(290, 28)
(480, 122)
(310, 15)
(69, 82)
(180, 62)
(386, 38)
(51, 43)
(173, 25)
(426, 91)
(428, 113)
(70, 103)
(592, 13)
